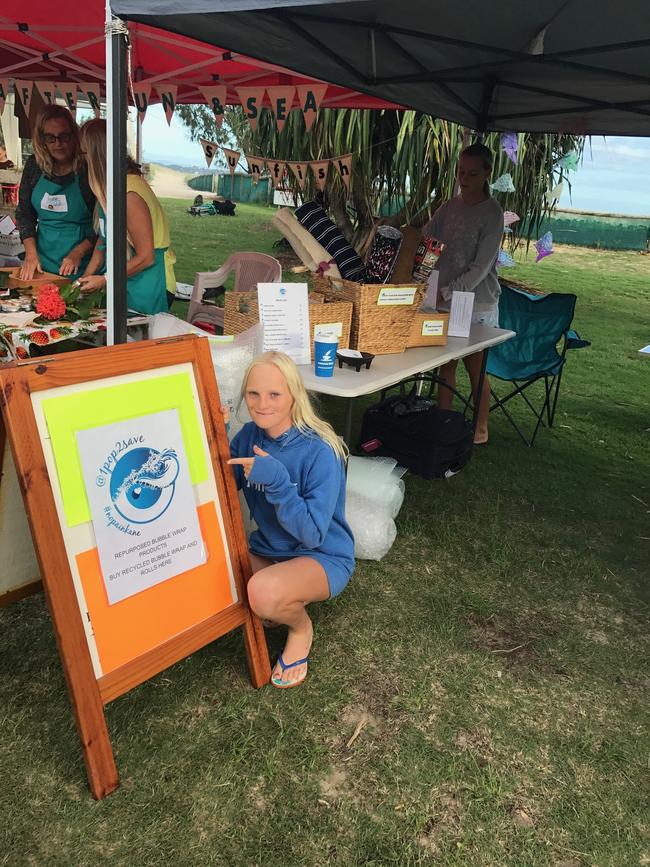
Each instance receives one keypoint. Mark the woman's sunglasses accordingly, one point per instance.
(63, 137)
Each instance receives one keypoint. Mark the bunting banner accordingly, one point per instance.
(4, 90)
(256, 166)
(343, 166)
(232, 159)
(141, 97)
(47, 90)
(92, 92)
(299, 171)
(167, 94)
(309, 99)
(278, 168)
(251, 99)
(24, 92)
(281, 99)
(209, 150)
(216, 100)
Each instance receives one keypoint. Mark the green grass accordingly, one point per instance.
(498, 656)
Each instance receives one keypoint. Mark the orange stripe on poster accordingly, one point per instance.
(135, 625)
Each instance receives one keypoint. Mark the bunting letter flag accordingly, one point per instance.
(216, 100)
(309, 99)
(24, 92)
(47, 90)
(251, 100)
(209, 150)
(167, 94)
(319, 168)
(141, 96)
(277, 169)
(232, 158)
(68, 91)
(281, 103)
(4, 90)
(343, 166)
(255, 167)
(91, 91)
(299, 171)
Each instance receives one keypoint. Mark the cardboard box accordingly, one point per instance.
(32, 286)
(428, 329)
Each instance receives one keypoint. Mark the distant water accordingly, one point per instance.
(613, 178)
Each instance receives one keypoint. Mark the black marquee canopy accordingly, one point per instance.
(579, 66)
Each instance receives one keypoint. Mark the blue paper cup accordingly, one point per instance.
(325, 346)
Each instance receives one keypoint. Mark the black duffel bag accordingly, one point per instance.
(431, 442)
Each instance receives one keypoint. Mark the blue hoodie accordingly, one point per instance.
(296, 497)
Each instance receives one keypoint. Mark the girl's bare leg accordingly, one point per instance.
(280, 592)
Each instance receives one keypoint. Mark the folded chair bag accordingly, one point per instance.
(315, 220)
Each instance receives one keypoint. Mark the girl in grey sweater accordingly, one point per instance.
(471, 227)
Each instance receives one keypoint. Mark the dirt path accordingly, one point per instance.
(169, 183)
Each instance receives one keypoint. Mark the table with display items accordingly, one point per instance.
(388, 370)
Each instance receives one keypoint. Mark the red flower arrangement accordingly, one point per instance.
(66, 303)
(49, 304)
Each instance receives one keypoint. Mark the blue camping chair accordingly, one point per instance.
(541, 322)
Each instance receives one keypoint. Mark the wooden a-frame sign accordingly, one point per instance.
(109, 648)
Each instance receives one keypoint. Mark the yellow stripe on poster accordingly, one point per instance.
(82, 410)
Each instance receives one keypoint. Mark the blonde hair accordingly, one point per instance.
(41, 153)
(93, 141)
(303, 416)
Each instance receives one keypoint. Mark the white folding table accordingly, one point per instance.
(387, 370)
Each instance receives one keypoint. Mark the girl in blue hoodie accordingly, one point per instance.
(291, 466)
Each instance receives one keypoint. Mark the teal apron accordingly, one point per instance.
(146, 291)
(64, 220)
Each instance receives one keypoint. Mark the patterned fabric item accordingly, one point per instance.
(383, 255)
(317, 223)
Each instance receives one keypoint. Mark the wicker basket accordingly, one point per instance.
(376, 328)
(241, 312)
(428, 329)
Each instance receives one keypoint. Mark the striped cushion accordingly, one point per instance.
(317, 223)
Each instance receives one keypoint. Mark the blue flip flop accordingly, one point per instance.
(284, 666)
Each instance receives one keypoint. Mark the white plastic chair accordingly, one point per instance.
(250, 269)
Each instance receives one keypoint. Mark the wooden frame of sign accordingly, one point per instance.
(19, 382)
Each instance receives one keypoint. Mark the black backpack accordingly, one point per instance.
(431, 442)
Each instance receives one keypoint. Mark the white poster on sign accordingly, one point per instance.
(460, 314)
(284, 314)
(138, 485)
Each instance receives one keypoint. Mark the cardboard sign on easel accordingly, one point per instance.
(135, 518)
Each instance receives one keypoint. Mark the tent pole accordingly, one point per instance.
(116, 111)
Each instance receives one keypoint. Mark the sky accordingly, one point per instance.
(614, 176)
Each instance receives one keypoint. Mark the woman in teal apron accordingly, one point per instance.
(55, 208)
(149, 267)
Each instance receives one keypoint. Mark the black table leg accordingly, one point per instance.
(347, 426)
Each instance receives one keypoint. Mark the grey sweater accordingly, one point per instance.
(472, 235)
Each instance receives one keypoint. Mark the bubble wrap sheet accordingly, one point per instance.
(374, 496)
